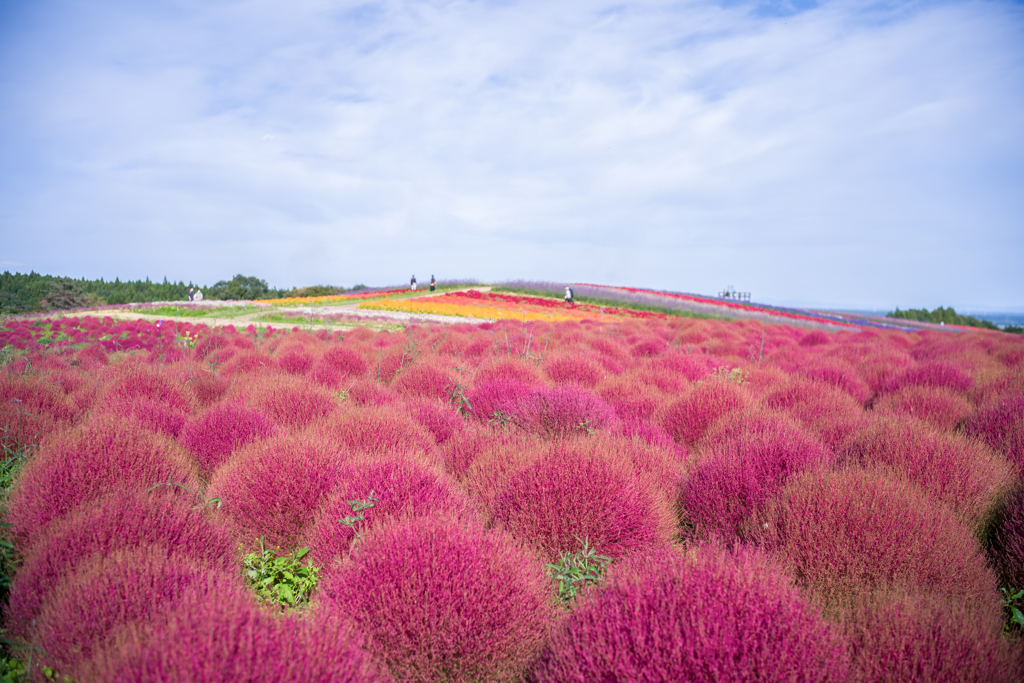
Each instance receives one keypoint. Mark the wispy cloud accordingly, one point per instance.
(848, 152)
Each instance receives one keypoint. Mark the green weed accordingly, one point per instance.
(578, 570)
(1012, 603)
(285, 579)
(356, 519)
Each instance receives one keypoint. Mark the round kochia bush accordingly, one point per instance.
(110, 591)
(743, 463)
(963, 474)
(273, 488)
(167, 527)
(403, 489)
(712, 617)
(849, 534)
(222, 429)
(569, 495)
(689, 418)
(438, 599)
(911, 638)
(107, 453)
(223, 636)
(1007, 551)
(1001, 426)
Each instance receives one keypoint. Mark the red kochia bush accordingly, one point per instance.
(712, 618)
(133, 380)
(156, 415)
(289, 401)
(561, 411)
(1007, 551)
(490, 397)
(915, 638)
(403, 489)
(439, 418)
(166, 527)
(963, 474)
(31, 408)
(440, 600)
(744, 462)
(933, 374)
(941, 408)
(219, 431)
(295, 362)
(569, 495)
(687, 419)
(273, 488)
(849, 534)
(828, 412)
(573, 369)
(425, 380)
(110, 591)
(377, 431)
(226, 638)
(1001, 426)
(107, 453)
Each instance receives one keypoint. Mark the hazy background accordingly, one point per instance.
(851, 154)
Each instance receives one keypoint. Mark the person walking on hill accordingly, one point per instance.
(412, 283)
(568, 295)
(433, 283)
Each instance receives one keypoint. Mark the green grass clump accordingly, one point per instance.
(285, 579)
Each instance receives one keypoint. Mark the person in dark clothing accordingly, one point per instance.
(433, 283)
(191, 294)
(412, 283)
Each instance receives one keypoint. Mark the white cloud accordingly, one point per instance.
(850, 147)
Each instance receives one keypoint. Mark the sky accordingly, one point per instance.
(851, 154)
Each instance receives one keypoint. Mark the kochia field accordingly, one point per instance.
(745, 502)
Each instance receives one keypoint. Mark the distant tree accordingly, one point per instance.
(315, 290)
(941, 315)
(64, 293)
(241, 287)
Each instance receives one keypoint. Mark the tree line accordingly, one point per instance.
(32, 292)
(948, 316)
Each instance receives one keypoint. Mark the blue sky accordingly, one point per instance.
(853, 154)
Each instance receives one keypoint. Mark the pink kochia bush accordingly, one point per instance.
(569, 495)
(403, 489)
(214, 435)
(1007, 549)
(851, 534)
(167, 527)
(963, 474)
(110, 591)
(273, 488)
(74, 467)
(689, 418)
(714, 617)
(916, 639)
(934, 374)
(221, 635)
(1001, 426)
(742, 463)
(442, 600)
(941, 408)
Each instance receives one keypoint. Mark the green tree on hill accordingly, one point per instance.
(241, 287)
(941, 315)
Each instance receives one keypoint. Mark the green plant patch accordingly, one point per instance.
(210, 312)
(576, 571)
(285, 579)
